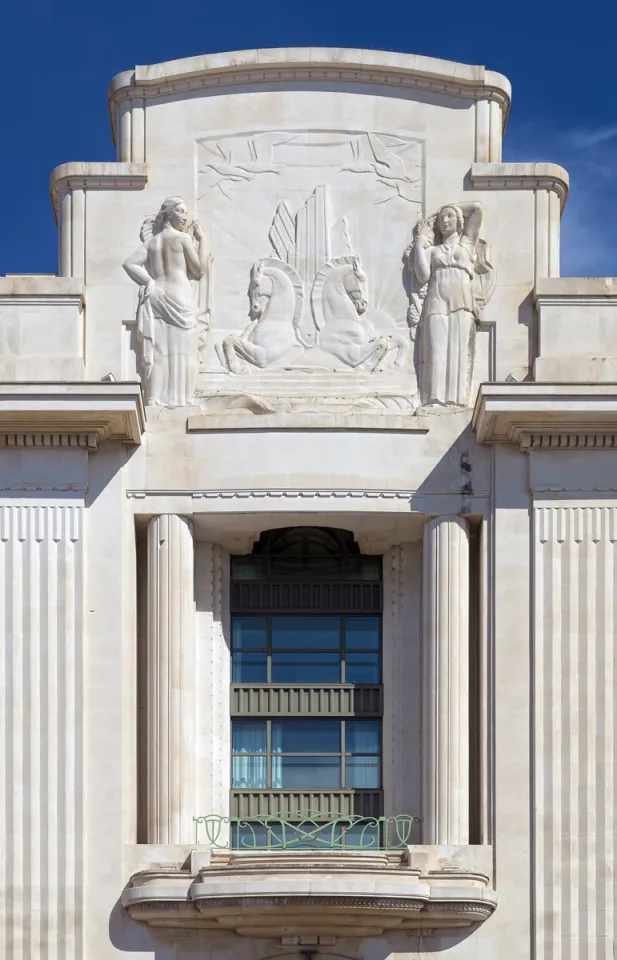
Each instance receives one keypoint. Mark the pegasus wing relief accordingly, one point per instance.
(282, 234)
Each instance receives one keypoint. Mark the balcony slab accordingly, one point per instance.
(337, 894)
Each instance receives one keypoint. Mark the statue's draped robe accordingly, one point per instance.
(168, 330)
(448, 323)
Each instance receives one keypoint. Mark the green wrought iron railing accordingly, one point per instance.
(306, 830)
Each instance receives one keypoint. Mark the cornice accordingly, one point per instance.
(522, 176)
(285, 65)
(66, 415)
(575, 291)
(263, 494)
(558, 416)
(96, 176)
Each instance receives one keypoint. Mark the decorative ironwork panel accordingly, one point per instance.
(306, 830)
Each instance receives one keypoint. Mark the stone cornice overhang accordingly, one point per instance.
(397, 70)
(547, 415)
(522, 176)
(95, 176)
(71, 414)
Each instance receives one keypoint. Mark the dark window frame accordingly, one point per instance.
(342, 649)
(343, 754)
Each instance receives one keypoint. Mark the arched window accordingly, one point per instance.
(306, 611)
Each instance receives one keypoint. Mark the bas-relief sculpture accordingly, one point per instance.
(309, 303)
(455, 277)
(308, 307)
(173, 253)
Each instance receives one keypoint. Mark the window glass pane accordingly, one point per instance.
(363, 668)
(248, 633)
(362, 568)
(363, 633)
(249, 773)
(248, 568)
(362, 772)
(306, 633)
(248, 736)
(306, 736)
(306, 773)
(249, 668)
(306, 668)
(362, 736)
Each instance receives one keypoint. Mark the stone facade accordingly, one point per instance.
(308, 293)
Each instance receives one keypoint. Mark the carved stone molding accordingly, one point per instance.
(570, 441)
(90, 441)
(522, 176)
(402, 71)
(95, 176)
(274, 494)
(66, 415)
(547, 415)
(265, 895)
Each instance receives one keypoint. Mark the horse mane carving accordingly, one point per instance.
(323, 275)
(273, 263)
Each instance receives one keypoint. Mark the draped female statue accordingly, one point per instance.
(450, 263)
(173, 252)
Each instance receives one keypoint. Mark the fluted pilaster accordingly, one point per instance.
(446, 681)
(171, 684)
(41, 731)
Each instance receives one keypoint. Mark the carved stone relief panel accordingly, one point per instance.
(311, 295)
(307, 230)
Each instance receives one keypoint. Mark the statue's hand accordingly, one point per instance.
(149, 288)
(198, 233)
(423, 234)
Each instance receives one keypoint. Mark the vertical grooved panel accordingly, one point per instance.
(41, 803)
(214, 679)
(574, 737)
(446, 680)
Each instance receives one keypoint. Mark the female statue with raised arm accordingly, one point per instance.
(451, 262)
(171, 255)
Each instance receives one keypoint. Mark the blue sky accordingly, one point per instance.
(57, 59)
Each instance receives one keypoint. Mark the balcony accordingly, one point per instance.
(321, 875)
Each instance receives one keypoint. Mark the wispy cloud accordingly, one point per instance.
(583, 139)
(589, 224)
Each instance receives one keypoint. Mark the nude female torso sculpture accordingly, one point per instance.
(167, 317)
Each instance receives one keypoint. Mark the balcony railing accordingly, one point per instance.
(306, 830)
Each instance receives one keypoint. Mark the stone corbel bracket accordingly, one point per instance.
(68, 184)
(129, 91)
(558, 416)
(69, 415)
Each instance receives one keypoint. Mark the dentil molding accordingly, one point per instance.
(69, 415)
(557, 416)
